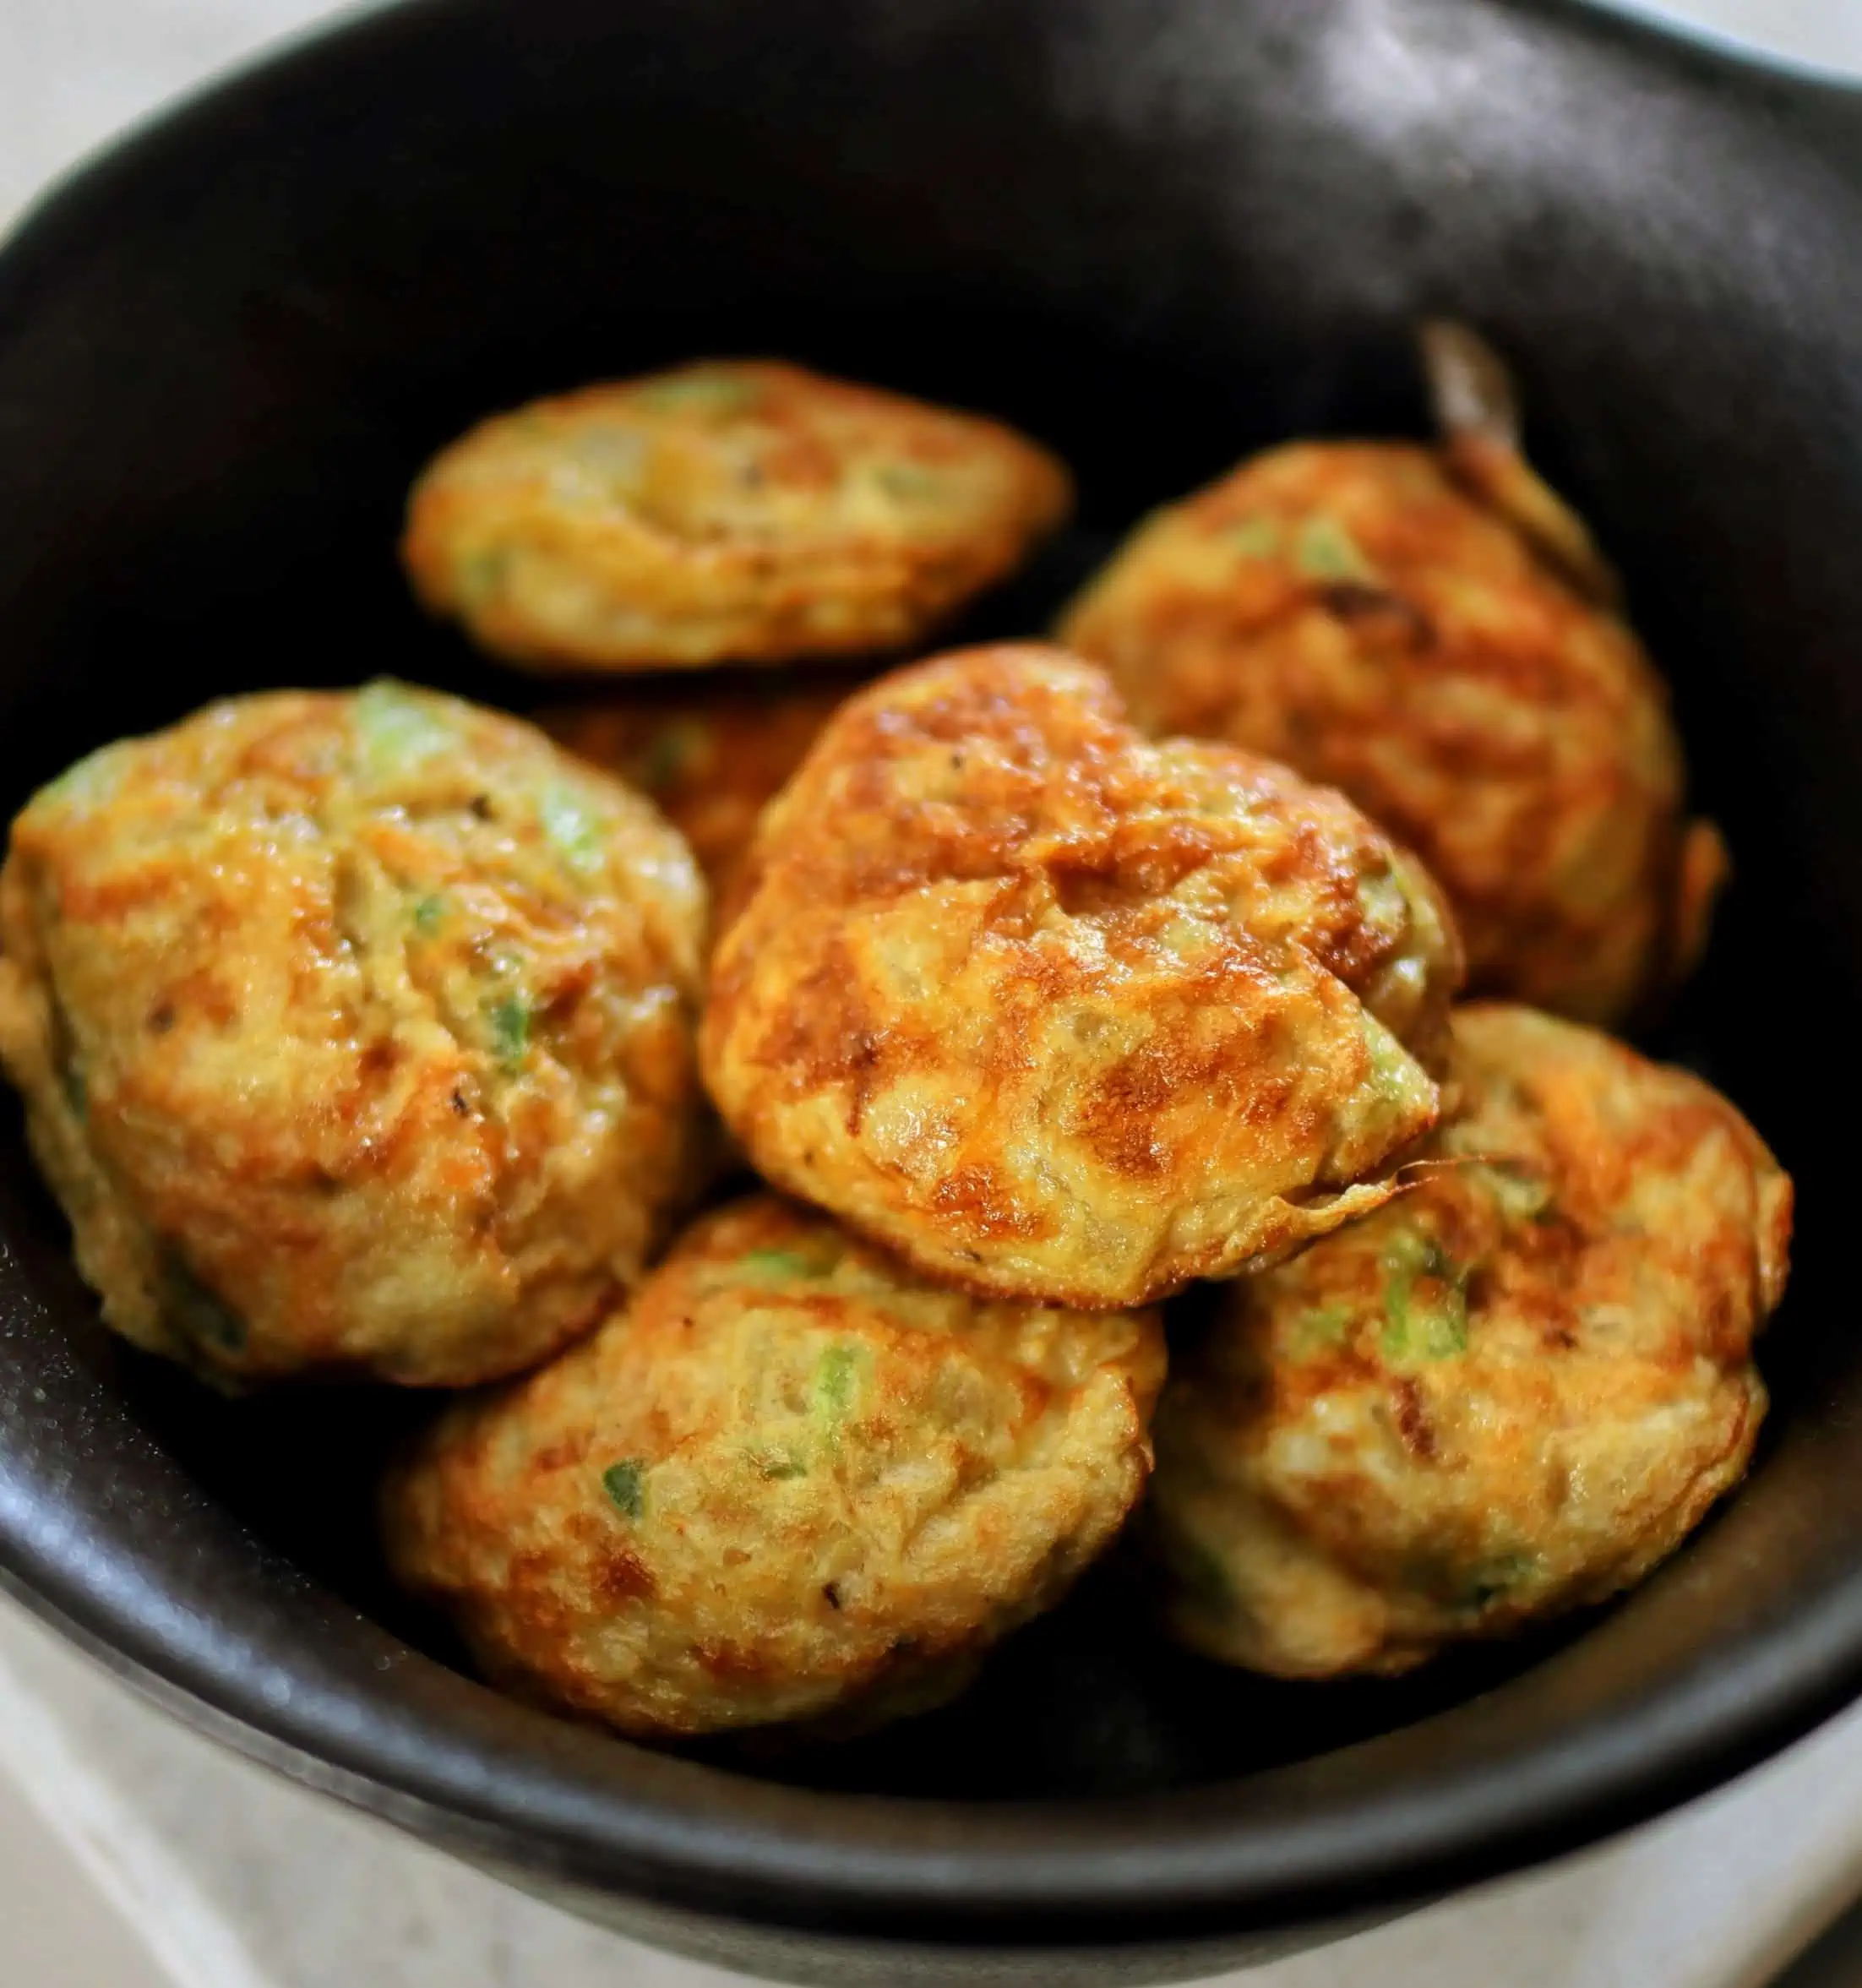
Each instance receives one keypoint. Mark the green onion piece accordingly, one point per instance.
(837, 1374)
(1325, 550)
(93, 779)
(400, 729)
(625, 1484)
(784, 1263)
(481, 575)
(1523, 1196)
(910, 481)
(1315, 1331)
(1432, 1328)
(700, 390)
(1493, 1578)
(574, 829)
(1253, 538)
(510, 1026)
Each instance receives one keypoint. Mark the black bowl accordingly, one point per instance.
(1159, 233)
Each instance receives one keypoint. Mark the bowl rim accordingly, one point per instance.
(1187, 1864)
(1196, 1861)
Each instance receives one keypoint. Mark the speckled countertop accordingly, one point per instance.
(233, 1879)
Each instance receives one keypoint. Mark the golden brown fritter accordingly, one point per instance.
(709, 756)
(736, 510)
(1510, 1391)
(355, 1033)
(1061, 1014)
(1430, 632)
(790, 1481)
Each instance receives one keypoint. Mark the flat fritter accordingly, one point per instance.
(1061, 1014)
(1512, 1392)
(735, 510)
(709, 756)
(1431, 632)
(791, 1481)
(355, 1033)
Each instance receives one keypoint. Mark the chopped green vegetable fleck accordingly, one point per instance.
(1523, 1196)
(1384, 901)
(784, 1263)
(1391, 1064)
(75, 1095)
(510, 1027)
(910, 481)
(481, 575)
(1433, 1327)
(1398, 1088)
(429, 914)
(1254, 538)
(1315, 1331)
(92, 780)
(699, 390)
(837, 1376)
(625, 1484)
(1488, 1581)
(574, 828)
(616, 453)
(1325, 550)
(399, 727)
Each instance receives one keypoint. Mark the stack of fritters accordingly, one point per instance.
(362, 1035)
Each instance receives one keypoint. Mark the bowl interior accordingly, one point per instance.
(1156, 236)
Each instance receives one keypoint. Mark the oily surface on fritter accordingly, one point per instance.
(1513, 1391)
(1360, 613)
(733, 511)
(709, 756)
(355, 1033)
(1061, 1014)
(790, 1481)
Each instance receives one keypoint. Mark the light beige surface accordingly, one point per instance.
(56, 1930)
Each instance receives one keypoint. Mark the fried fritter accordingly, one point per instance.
(1061, 1014)
(355, 1033)
(790, 1481)
(1432, 632)
(732, 511)
(709, 757)
(1512, 1392)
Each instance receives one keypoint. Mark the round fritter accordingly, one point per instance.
(1410, 627)
(790, 1481)
(1062, 1015)
(711, 758)
(1513, 1391)
(355, 1033)
(736, 510)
